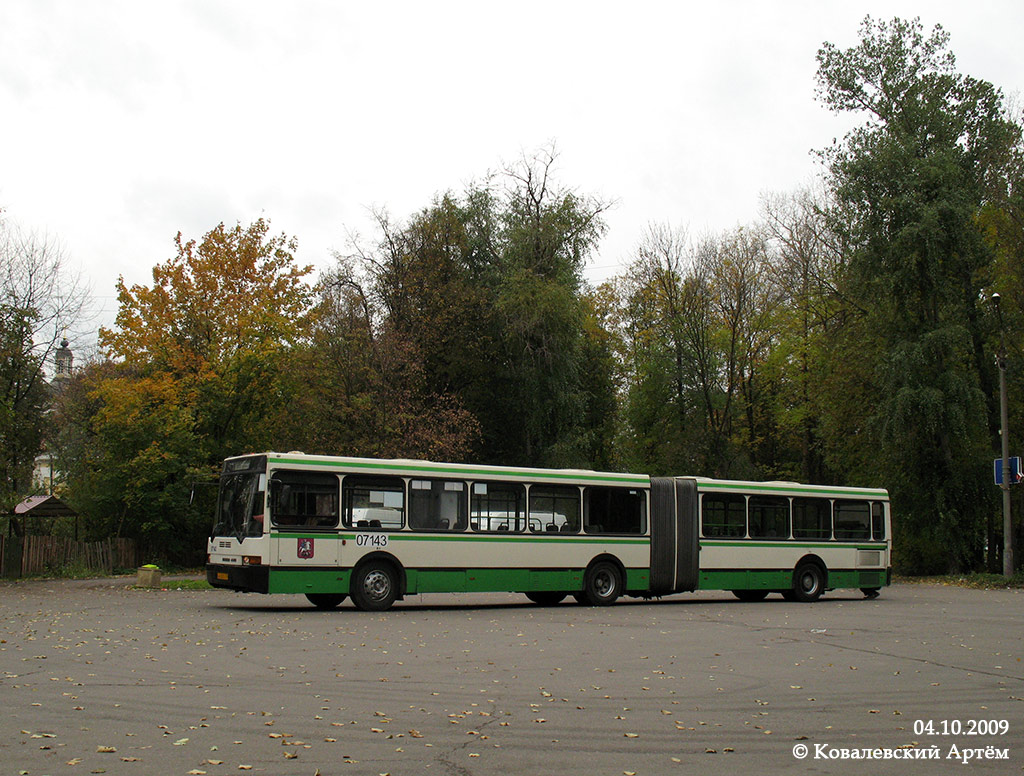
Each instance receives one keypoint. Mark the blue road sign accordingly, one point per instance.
(997, 468)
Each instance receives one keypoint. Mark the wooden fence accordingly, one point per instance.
(41, 554)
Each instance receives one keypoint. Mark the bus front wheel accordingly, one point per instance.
(808, 582)
(374, 587)
(545, 597)
(601, 585)
(325, 600)
(750, 595)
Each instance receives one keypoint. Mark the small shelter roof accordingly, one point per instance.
(44, 506)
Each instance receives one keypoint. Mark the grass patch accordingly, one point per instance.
(74, 571)
(177, 584)
(187, 584)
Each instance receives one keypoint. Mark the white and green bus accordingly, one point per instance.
(378, 530)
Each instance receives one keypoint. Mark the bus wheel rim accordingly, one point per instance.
(377, 585)
(604, 585)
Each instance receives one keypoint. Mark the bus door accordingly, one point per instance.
(304, 518)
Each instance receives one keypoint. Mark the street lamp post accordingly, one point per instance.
(1004, 435)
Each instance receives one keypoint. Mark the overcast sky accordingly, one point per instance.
(122, 123)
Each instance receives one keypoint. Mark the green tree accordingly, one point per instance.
(196, 373)
(667, 322)
(22, 403)
(909, 185)
(360, 387)
(703, 322)
(808, 258)
(545, 235)
(485, 292)
(40, 301)
(218, 318)
(1002, 222)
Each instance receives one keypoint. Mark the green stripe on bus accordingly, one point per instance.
(297, 580)
(506, 580)
(537, 539)
(495, 580)
(462, 537)
(635, 479)
(745, 580)
(787, 544)
(782, 579)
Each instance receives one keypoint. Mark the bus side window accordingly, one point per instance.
(497, 506)
(853, 520)
(723, 514)
(608, 510)
(769, 517)
(307, 499)
(373, 502)
(437, 505)
(812, 518)
(553, 507)
(877, 520)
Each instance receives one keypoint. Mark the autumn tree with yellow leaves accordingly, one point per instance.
(198, 361)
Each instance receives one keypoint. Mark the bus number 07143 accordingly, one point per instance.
(371, 540)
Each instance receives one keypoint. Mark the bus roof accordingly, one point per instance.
(407, 466)
(432, 468)
(781, 488)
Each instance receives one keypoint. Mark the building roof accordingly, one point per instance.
(43, 506)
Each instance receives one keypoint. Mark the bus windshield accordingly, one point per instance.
(240, 504)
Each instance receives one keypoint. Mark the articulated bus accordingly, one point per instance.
(379, 530)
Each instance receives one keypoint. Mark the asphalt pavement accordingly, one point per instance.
(101, 677)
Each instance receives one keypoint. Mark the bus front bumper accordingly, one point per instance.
(249, 579)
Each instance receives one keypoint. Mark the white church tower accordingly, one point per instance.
(63, 360)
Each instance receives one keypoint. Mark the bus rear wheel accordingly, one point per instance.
(601, 585)
(325, 600)
(374, 587)
(808, 582)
